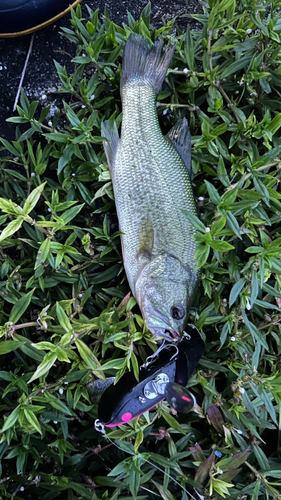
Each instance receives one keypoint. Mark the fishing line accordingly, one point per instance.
(100, 428)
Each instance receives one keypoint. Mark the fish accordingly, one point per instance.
(152, 187)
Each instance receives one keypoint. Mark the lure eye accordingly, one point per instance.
(177, 312)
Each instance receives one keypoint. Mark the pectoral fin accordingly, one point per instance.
(145, 239)
(179, 136)
(110, 131)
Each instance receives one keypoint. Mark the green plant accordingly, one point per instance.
(65, 309)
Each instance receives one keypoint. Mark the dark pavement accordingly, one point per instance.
(41, 80)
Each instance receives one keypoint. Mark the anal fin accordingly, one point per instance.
(179, 136)
(110, 132)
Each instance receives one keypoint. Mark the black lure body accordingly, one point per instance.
(164, 378)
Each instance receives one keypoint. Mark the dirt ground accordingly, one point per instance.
(41, 81)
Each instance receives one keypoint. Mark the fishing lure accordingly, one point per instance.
(164, 375)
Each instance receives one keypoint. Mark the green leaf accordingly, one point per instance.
(71, 213)
(45, 366)
(82, 491)
(114, 363)
(107, 275)
(256, 490)
(16, 119)
(235, 67)
(235, 461)
(86, 296)
(164, 492)
(33, 199)
(236, 289)
(10, 207)
(195, 221)
(173, 422)
(24, 102)
(261, 458)
(63, 319)
(254, 249)
(118, 469)
(20, 307)
(213, 193)
(15, 174)
(32, 419)
(127, 447)
(9, 146)
(273, 473)
(90, 28)
(271, 290)
(57, 137)
(233, 224)
(58, 404)
(90, 359)
(135, 365)
(9, 346)
(275, 124)
(266, 305)
(218, 226)
(261, 394)
(220, 246)
(254, 286)
(162, 461)
(102, 191)
(11, 420)
(11, 228)
(27, 134)
(28, 348)
(45, 345)
(256, 334)
(202, 253)
(138, 441)
(44, 114)
(43, 252)
(97, 46)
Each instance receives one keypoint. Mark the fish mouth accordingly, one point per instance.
(158, 325)
(167, 334)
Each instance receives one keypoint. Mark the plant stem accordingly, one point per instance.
(262, 478)
(264, 167)
(230, 104)
(276, 322)
(209, 50)
(25, 325)
(170, 105)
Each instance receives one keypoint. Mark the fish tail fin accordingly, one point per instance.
(144, 63)
(110, 132)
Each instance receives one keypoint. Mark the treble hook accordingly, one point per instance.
(163, 346)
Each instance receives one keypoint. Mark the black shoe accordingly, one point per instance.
(22, 17)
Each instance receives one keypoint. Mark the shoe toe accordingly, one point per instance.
(20, 17)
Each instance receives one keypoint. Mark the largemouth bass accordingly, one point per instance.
(151, 183)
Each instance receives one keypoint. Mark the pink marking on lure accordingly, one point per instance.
(114, 424)
(126, 417)
(185, 398)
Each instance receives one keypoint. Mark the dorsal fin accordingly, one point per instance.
(179, 136)
(110, 132)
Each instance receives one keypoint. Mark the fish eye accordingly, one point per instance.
(177, 312)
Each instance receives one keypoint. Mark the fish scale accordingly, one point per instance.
(152, 186)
